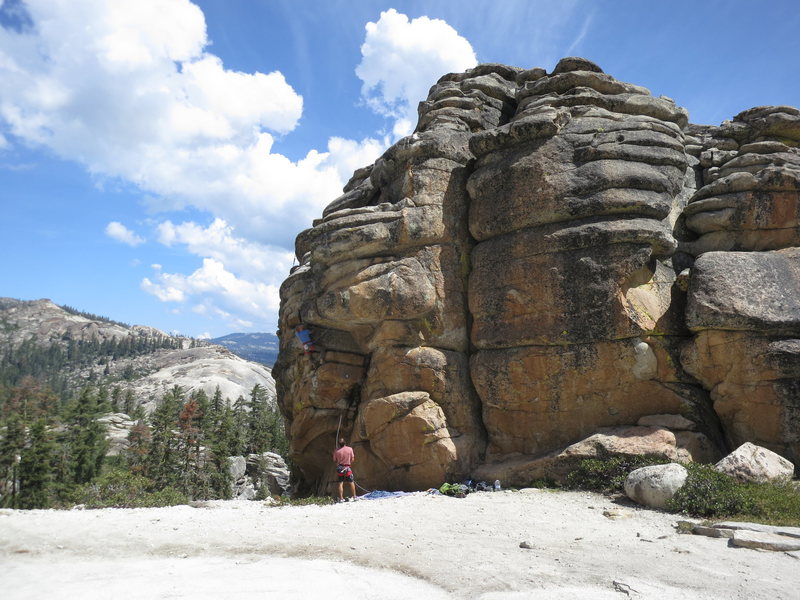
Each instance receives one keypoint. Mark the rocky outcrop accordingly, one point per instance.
(206, 368)
(258, 475)
(117, 427)
(512, 278)
(753, 535)
(45, 322)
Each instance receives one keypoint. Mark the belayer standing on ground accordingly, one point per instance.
(344, 457)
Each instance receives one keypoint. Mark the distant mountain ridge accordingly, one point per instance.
(69, 349)
(258, 347)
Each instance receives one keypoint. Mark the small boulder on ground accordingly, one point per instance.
(655, 485)
(751, 463)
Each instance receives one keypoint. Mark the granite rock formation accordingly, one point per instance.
(520, 274)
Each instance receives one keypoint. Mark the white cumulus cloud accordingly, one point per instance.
(402, 59)
(117, 231)
(218, 291)
(129, 89)
(218, 241)
(238, 281)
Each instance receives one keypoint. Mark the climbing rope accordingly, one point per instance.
(361, 488)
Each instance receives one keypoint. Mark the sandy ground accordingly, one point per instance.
(417, 546)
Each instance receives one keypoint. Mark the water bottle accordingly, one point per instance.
(496, 485)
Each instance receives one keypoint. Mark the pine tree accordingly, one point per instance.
(35, 468)
(138, 448)
(30, 400)
(220, 448)
(103, 399)
(86, 437)
(163, 461)
(241, 427)
(217, 402)
(129, 403)
(205, 416)
(116, 394)
(277, 429)
(259, 431)
(138, 413)
(189, 448)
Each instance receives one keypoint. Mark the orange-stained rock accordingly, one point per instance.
(408, 432)
(753, 382)
(544, 397)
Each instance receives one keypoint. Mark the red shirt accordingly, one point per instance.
(344, 456)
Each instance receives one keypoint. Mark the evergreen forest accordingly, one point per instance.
(55, 364)
(53, 448)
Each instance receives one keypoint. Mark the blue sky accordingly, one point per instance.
(158, 157)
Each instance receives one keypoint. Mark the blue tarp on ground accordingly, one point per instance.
(377, 494)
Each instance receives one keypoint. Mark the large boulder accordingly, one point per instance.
(655, 485)
(751, 463)
(237, 467)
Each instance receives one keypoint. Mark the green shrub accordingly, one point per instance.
(123, 489)
(608, 474)
(709, 493)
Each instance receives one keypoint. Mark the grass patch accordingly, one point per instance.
(307, 501)
(773, 503)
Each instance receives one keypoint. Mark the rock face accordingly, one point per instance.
(117, 426)
(744, 292)
(510, 279)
